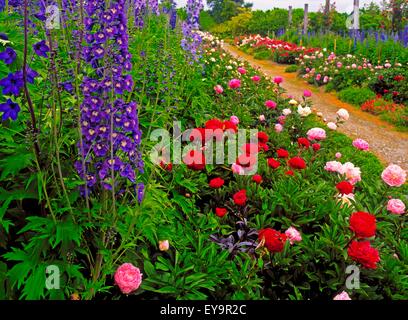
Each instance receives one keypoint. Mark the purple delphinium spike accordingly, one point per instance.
(140, 12)
(154, 6)
(191, 40)
(109, 125)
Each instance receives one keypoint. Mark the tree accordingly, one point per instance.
(224, 10)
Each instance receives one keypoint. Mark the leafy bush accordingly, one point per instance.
(292, 68)
(356, 96)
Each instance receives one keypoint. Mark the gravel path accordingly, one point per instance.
(388, 144)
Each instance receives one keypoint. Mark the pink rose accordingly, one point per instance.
(316, 134)
(394, 176)
(218, 89)
(307, 93)
(278, 127)
(278, 80)
(234, 83)
(342, 296)
(241, 70)
(234, 120)
(256, 78)
(396, 206)
(128, 278)
(293, 235)
(270, 104)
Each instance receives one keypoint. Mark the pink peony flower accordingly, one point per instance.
(293, 235)
(241, 70)
(234, 120)
(218, 89)
(234, 83)
(128, 278)
(286, 112)
(332, 125)
(237, 169)
(278, 128)
(261, 117)
(270, 104)
(333, 166)
(352, 173)
(307, 93)
(394, 175)
(164, 245)
(316, 134)
(343, 114)
(338, 155)
(256, 78)
(396, 206)
(342, 296)
(361, 144)
(318, 77)
(278, 80)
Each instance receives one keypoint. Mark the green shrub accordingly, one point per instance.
(291, 69)
(263, 55)
(356, 96)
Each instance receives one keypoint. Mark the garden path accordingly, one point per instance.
(389, 145)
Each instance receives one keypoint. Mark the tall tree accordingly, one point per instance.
(223, 10)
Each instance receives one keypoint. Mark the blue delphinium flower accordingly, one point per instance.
(191, 40)
(10, 110)
(110, 126)
(13, 83)
(8, 55)
(140, 12)
(41, 49)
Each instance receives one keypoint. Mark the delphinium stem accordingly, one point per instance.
(26, 92)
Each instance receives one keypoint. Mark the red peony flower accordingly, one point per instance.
(262, 137)
(250, 148)
(228, 125)
(263, 147)
(166, 166)
(289, 173)
(282, 153)
(257, 178)
(198, 133)
(214, 124)
(303, 142)
(297, 163)
(216, 183)
(246, 160)
(240, 198)
(316, 146)
(273, 163)
(362, 252)
(274, 240)
(345, 187)
(195, 160)
(363, 224)
(220, 212)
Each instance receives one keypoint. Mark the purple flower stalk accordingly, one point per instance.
(154, 6)
(191, 40)
(110, 126)
(140, 12)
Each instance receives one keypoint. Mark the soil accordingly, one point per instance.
(388, 144)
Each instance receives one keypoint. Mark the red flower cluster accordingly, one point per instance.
(215, 124)
(363, 224)
(166, 166)
(216, 183)
(362, 252)
(297, 163)
(240, 198)
(345, 187)
(195, 160)
(274, 241)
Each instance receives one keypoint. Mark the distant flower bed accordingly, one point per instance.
(278, 50)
